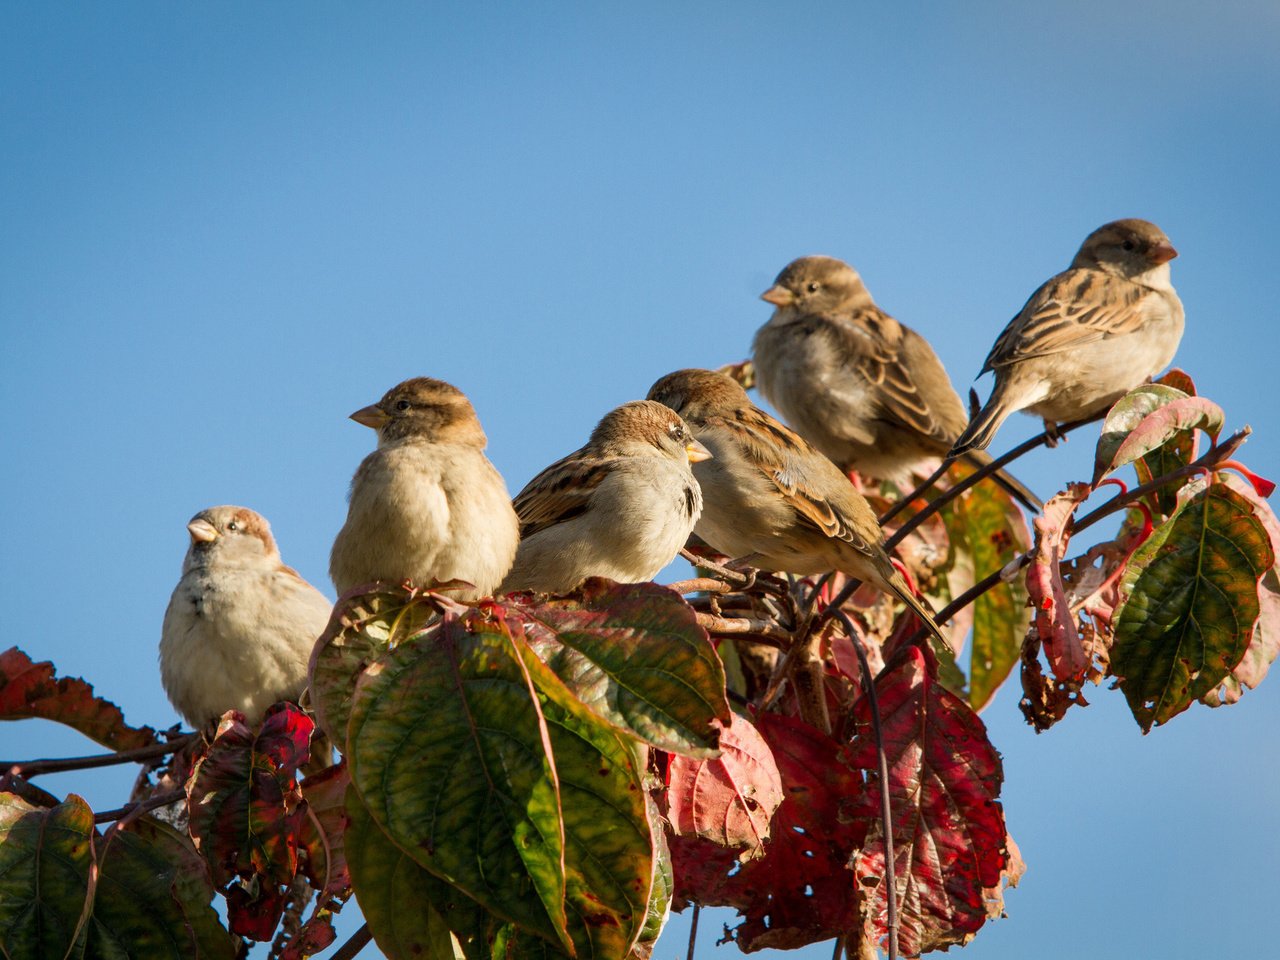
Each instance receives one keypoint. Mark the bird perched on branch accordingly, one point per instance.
(866, 390)
(771, 496)
(240, 625)
(426, 505)
(1088, 336)
(620, 507)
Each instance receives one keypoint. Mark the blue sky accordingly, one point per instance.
(226, 228)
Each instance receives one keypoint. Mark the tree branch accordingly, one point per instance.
(34, 768)
(144, 806)
(357, 942)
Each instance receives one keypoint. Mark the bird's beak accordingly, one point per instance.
(697, 452)
(372, 416)
(1162, 253)
(202, 531)
(779, 296)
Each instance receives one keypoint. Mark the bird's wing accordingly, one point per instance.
(560, 492)
(1074, 308)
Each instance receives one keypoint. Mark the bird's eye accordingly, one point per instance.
(402, 404)
(813, 287)
(1128, 245)
(233, 525)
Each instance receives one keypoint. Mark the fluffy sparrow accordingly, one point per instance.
(863, 388)
(240, 625)
(620, 507)
(771, 496)
(427, 505)
(1088, 336)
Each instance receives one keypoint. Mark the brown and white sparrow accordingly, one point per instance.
(771, 496)
(866, 390)
(240, 625)
(620, 507)
(1088, 336)
(427, 505)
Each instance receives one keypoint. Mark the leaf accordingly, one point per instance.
(363, 626)
(988, 528)
(395, 894)
(450, 752)
(1189, 602)
(635, 655)
(1054, 621)
(801, 891)
(729, 800)
(31, 690)
(243, 796)
(1145, 419)
(948, 826)
(153, 899)
(46, 877)
(322, 834)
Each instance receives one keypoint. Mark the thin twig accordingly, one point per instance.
(886, 816)
(34, 768)
(919, 491)
(743, 580)
(740, 626)
(693, 931)
(131, 810)
(357, 942)
(702, 585)
(982, 473)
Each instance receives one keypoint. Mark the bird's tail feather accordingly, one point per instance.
(982, 428)
(1011, 484)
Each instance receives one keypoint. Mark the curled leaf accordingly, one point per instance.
(1054, 621)
(1145, 419)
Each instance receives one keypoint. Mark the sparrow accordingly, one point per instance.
(865, 389)
(771, 496)
(1088, 336)
(240, 625)
(427, 505)
(620, 507)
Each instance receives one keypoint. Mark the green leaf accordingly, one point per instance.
(46, 859)
(635, 655)
(153, 899)
(1145, 419)
(986, 525)
(395, 894)
(450, 751)
(363, 627)
(1189, 602)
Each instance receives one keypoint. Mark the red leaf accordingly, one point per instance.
(731, 799)
(1054, 623)
(949, 832)
(801, 891)
(243, 796)
(31, 690)
(320, 839)
(255, 913)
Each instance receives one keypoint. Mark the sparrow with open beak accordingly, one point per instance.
(620, 507)
(240, 625)
(1088, 336)
(427, 505)
(866, 390)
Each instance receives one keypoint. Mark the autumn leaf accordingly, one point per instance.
(1054, 621)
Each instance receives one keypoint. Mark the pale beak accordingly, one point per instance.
(202, 531)
(372, 416)
(779, 296)
(1162, 253)
(697, 452)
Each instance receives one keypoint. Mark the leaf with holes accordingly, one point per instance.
(948, 826)
(801, 891)
(30, 689)
(988, 529)
(731, 799)
(153, 899)
(47, 876)
(1147, 418)
(1054, 621)
(364, 625)
(634, 654)
(1189, 602)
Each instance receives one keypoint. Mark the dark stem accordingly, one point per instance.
(693, 931)
(159, 800)
(919, 491)
(886, 816)
(838, 952)
(838, 601)
(34, 768)
(358, 941)
(982, 473)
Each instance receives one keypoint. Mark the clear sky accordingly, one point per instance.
(227, 227)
